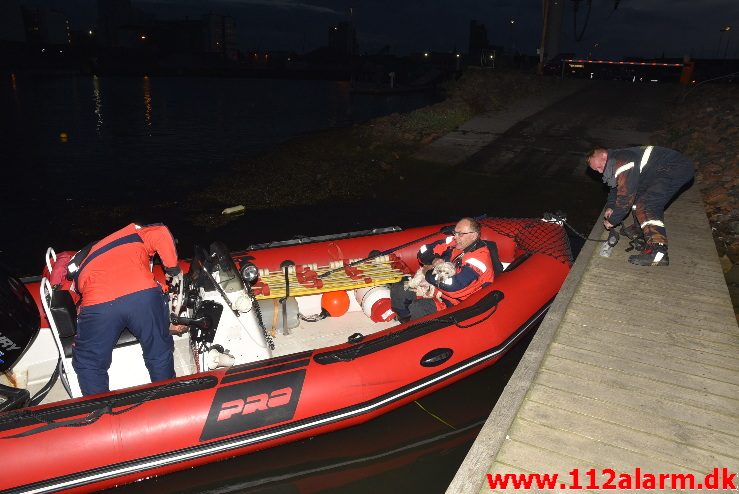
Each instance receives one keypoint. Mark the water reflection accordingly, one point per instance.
(14, 86)
(351, 472)
(147, 102)
(98, 98)
(342, 113)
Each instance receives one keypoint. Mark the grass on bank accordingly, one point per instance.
(352, 163)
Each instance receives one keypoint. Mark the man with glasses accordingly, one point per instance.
(474, 268)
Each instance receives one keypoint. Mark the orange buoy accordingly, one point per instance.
(335, 303)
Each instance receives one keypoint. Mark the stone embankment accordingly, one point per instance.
(705, 126)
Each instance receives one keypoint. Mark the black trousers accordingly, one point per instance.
(653, 196)
(407, 305)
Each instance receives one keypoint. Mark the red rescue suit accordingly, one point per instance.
(474, 268)
(118, 291)
(119, 264)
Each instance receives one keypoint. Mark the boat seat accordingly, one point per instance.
(64, 312)
(494, 257)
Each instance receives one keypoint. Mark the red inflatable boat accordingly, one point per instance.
(286, 340)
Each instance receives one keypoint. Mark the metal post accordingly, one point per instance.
(544, 34)
(728, 39)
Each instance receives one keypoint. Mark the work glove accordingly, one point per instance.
(175, 281)
(176, 290)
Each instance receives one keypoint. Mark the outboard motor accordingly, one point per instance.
(19, 320)
(19, 325)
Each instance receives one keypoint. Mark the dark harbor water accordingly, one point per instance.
(81, 137)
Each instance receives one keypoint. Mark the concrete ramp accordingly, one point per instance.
(477, 133)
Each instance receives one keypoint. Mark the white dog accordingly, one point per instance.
(423, 289)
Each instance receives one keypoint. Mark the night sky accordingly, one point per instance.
(645, 28)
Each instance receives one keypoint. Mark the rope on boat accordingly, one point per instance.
(444, 230)
(106, 408)
(349, 354)
(456, 323)
(559, 217)
(258, 313)
(584, 237)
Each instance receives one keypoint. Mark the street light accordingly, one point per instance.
(512, 22)
(728, 39)
(721, 32)
(592, 50)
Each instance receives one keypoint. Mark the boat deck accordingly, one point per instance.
(633, 367)
(306, 336)
(327, 332)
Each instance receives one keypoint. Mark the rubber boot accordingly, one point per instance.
(652, 255)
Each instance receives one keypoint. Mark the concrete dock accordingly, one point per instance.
(633, 368)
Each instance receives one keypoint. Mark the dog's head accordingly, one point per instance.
(444, 271)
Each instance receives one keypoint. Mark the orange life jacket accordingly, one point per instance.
(478, 259)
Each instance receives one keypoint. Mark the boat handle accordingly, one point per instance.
(49, 255)
(436, 357)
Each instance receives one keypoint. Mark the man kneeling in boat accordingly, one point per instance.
(118, 291)
(470, 256)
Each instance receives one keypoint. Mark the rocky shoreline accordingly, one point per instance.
(705, 126)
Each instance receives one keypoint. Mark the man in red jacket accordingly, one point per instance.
(119, 292)
(473, 269)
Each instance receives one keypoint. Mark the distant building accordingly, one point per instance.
(184, 36)
(119, 25)
(480, 52)
(220, 36)
(46, 27)
(11, 22)
(479, 44)
(342, 38)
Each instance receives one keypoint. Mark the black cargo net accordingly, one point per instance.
(534, 236)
